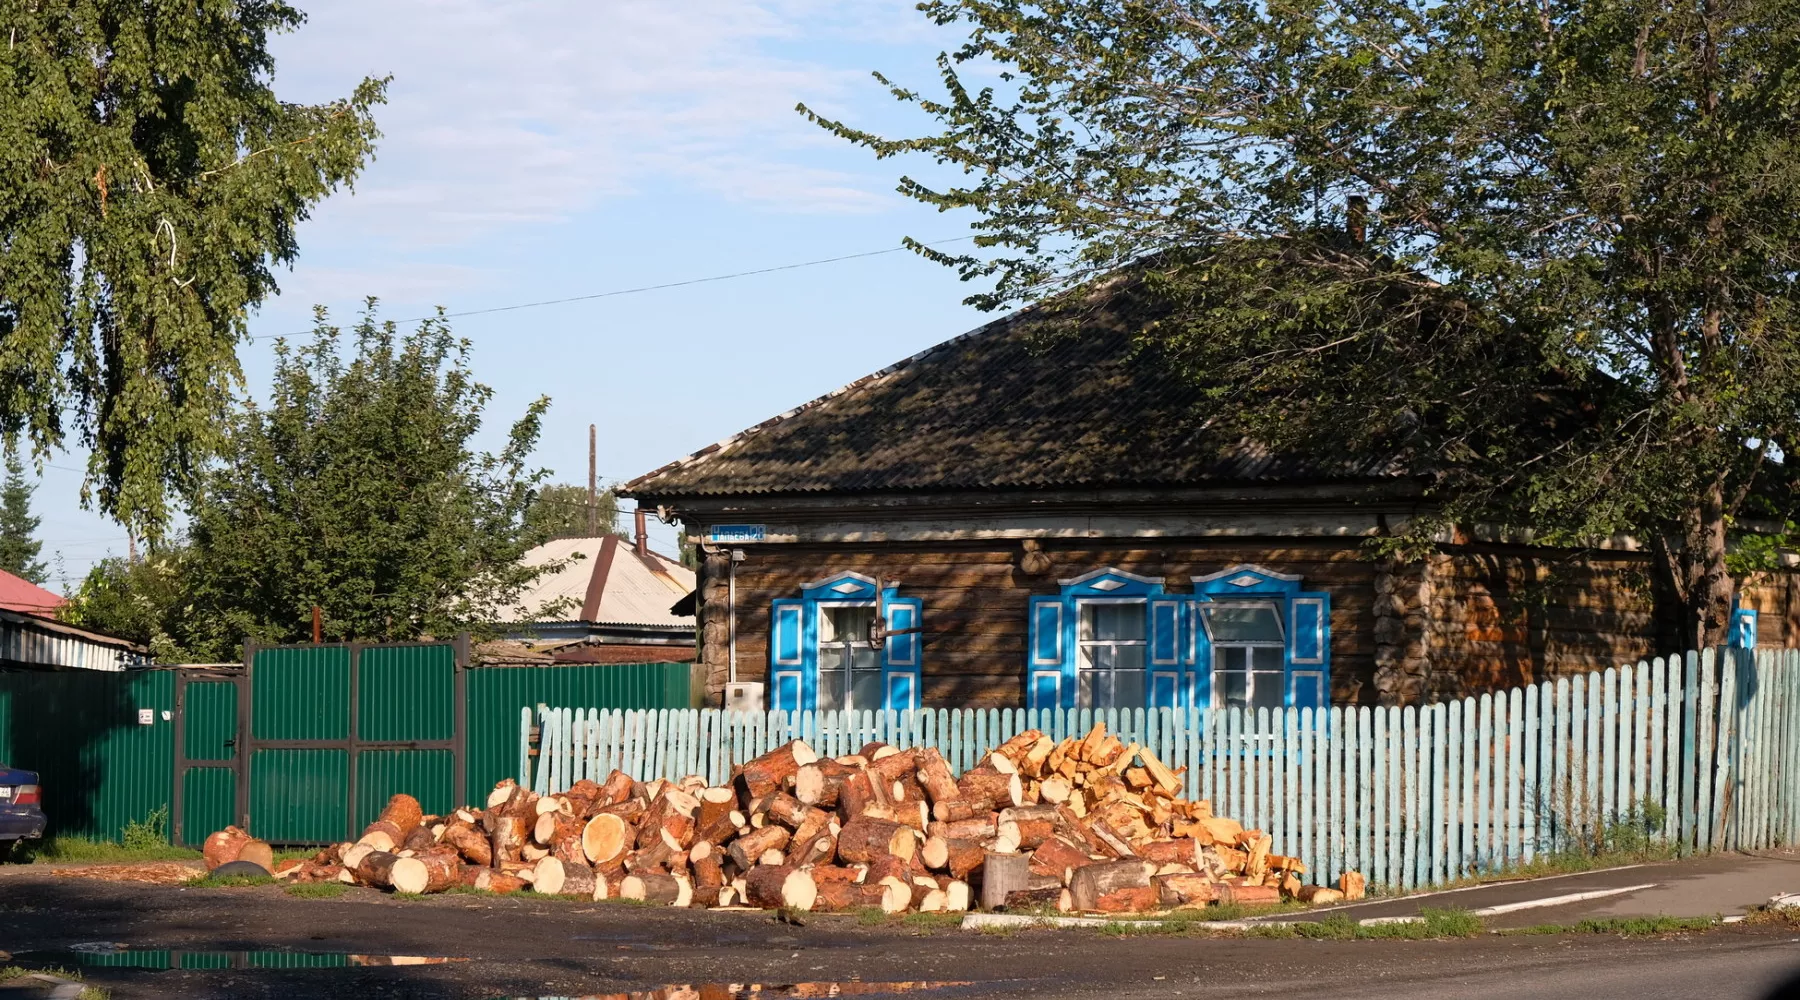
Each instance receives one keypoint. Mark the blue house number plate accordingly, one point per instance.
(732, 534)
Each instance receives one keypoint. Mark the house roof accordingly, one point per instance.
(1030, 400)
(20, 594)
(603, 581)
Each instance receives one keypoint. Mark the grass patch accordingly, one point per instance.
(82, 850)
(231, 881)
(1624, 926)
(1435, 924)
(316, 890)
(928, 923)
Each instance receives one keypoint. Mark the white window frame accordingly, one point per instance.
(1278, 607)
(1144, 643)
(848, 646)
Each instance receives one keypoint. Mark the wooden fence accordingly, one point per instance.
(1700, 753)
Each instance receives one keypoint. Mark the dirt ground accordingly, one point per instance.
(535, 947)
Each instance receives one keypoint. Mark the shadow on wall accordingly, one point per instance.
(99, 766)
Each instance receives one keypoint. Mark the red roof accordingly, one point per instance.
(18, 594)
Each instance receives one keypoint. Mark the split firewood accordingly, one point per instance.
(1058, 856)
(223, 847)
(769, 772)
(1186, 889)
(1319, 895)
(1352, 885)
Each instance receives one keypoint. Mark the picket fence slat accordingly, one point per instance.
(1701, 751)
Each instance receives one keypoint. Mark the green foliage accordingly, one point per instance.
(148, 834)
(355, 489)
(1623, 926)
(82, 850)
(1538, 254)
(150, 181)
(18, 526)
(560, 510)
(211, 881)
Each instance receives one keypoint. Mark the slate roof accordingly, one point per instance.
(1044, 397)
(616, 587)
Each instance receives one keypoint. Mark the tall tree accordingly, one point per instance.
(562, 510)
(19, 546)
(144, 600)
(357, 489)
(1544, 253)
(150, 180)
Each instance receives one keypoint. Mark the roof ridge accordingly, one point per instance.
(723, 445)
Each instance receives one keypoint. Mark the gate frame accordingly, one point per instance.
(248, 744)
(185, 675)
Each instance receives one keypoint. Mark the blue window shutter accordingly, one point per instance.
(1199, 686)
(900, 666)
(793, 661)
(1048, 659)
(1743, 628)
(1164, 663)
(1309, 650)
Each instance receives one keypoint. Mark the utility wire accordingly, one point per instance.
(647, 288)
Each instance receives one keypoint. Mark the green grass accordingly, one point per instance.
(1623, 926)
(87, 992)
(231, 881)
(316, 890)
(83, 850)
(1434, 924)
(928, 923)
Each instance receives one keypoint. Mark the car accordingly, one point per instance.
(21, 810)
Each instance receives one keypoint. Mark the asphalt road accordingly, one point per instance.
(532, 947)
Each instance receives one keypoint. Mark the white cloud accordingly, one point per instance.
(535, 110)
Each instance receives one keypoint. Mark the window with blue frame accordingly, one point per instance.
(1246, 637)
(820, 654)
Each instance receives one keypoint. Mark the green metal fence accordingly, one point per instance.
(307, 751)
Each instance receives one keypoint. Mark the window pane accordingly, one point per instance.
(1085, 691)
(1269, 691)
(1113, 621)
(831, 689)
(865, 690)
(837, 624)
(831, 657)
(1128, 658)
(1232, 658)
(1244, 623)
(1230, 689)
(1128, 688)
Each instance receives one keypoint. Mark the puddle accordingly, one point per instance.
(765, 991)
(101, 955)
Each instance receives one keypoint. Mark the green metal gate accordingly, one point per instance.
(206, 759)
(335, 730)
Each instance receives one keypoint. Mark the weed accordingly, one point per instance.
(81, 850)
(87, 992)
(316, 890)
(927, 923)
(871, 916)
(147, 834)
(1623, 926)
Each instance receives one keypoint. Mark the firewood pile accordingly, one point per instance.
(1090, 824)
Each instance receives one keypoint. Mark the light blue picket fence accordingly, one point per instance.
(1699, 752)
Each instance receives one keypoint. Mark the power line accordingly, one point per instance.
(649, 288)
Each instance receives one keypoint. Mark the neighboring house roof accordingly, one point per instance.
(604, 581)
(20, 594)
(1044, 397)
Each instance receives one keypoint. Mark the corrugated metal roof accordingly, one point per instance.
(1071, 396)
(28, 640)
(631, 589)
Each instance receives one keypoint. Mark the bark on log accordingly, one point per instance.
(782, 885)
(716, 806)
(1186, 890)
(1248, 895)
(837, 897)
(767, 773)
(819, 783)
(709, 873)
(1133, 899)
(788, 810)
(747, 850)
(984, 784)
(1319, 895)
(1094, 881)
(1051, 898)
(858, 794)
(958, 857)
(376, 869)
(866, 839)
(1059, 857)
(978, 827)
(817, 823)
(1001, 875)
(664, 890)
(1163, 852)
(223, 847)
(431, 872)
(817, 851)
(614, 790)
(935, 777)
(895, 766)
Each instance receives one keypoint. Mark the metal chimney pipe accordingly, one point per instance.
(641, 533)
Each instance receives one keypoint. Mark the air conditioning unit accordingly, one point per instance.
(744, 696)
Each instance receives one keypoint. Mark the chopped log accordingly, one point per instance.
(721, 828)
(716, 805)
(1319, 895)
(1258, 864)
(1058, 856)
(818, 783)
(1005, 839)
(471, 843)
(787, 810)
(1223, 830)
(748, 850)
(709, 873)
(223, 847)
(430, 872)
(1183, 852)
(421, 838)
(872, 752)
(890, 867)
(1094, 881)
(1002, 875)
(822, 874)
(858, 794)
(1001, 764)
(554, 827)
(838, 897)
(819, 850)
(1248, 895)
(772, 857)
(257, 852)
(769, 772)
(663, 890)
(774, 887)
(986, 825)
(375, 868)
(631, 811)
(956, 894)
(605, 838)
(503, 790)
(815, 824)
(1030, 833)
(957, 809)
(552, 803)
(1186, 890)
(658, 858)
(507, 827)
(1352, 885)
(984, 784)
(1016, 747)
(1134, 899)
(1052, 898)
(672, 811)
(935, 777)
(896, 766)
(866, 839)
(398, 819)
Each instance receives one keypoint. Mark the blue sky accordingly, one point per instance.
(542, 149)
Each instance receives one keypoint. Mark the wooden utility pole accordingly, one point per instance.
(593, 524)
(318, 625)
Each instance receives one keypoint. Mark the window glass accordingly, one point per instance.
(1244, 623)
(1113, 622)
(1248, 677)
(849, 670)
(1110, 661)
